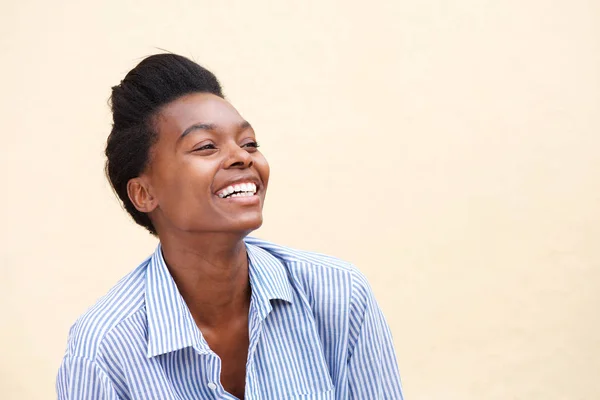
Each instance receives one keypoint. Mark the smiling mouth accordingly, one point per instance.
(238, 190)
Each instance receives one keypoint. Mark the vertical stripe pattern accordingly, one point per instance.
(316, 332)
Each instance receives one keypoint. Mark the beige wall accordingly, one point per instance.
(450, 149)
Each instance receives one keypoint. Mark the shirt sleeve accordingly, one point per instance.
(81, 379)
(372, 366)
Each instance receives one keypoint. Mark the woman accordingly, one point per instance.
(213, 314)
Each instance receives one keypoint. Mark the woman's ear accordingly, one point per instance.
(140, 194)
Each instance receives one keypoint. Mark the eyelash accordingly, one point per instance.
(252, 144)
(211, 146)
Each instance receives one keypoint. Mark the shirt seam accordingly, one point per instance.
(353, 304)
(102, 374)
(100, 341)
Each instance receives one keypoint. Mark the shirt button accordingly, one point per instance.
(212, 386)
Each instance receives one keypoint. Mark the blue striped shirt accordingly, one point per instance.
(316, 332)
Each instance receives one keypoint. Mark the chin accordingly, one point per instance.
(242, 223)
(248, 226)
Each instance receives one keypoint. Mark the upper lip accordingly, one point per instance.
(238, 180)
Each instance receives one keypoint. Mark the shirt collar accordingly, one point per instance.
(268, 279)
(171, 326)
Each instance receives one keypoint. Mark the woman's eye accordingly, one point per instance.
(253, 145)
(209, 146)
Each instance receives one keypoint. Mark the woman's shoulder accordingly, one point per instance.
(309, 259)
(313, 270)
(121, 302)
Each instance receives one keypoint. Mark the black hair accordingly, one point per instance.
(135, 102)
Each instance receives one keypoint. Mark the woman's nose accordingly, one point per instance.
(238, 157)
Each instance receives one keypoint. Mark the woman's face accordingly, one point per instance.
(205, 172)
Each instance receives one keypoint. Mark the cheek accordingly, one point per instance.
(186, 184)
(262, 166)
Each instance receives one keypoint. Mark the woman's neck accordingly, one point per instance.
(211, 273)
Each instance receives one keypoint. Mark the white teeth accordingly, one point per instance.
(226, 191)
(242, 189)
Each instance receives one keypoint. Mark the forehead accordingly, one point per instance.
(196, 108)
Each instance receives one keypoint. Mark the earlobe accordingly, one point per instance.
(140, 195)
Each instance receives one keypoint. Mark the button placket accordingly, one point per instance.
(255, 327)
(214, 374)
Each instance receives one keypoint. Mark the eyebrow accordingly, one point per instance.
(209, 127)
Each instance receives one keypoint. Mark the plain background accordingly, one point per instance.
(449, 149)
